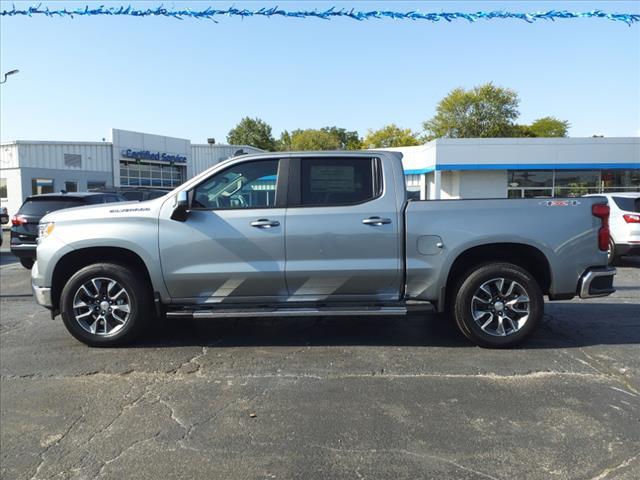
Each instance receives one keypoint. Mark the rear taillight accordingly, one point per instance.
(18, 220)
(631, 218)
(602, 212)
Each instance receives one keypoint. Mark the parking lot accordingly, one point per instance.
(323, 398)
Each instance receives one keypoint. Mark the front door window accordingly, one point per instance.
(246, 185)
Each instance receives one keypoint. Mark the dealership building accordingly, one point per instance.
(440, 169)
(127, 159)
(521, 167)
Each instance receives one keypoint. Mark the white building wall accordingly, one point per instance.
(420, 157)
(14, 190)
(22, 161)
(93, 156)
(554, 152)
(9, 155)
(483, 184)
(450, 185)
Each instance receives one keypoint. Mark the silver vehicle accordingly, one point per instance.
(317, 233)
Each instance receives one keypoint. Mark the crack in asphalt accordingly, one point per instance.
(609, 470)
(52, 444)
(381, 373)
(402, 451)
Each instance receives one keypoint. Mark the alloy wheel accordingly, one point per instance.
(500, 307)
(101, 306)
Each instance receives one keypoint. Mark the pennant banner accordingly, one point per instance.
(212, 13)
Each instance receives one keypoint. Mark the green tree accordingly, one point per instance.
(390, 136)
(349, 140)
(522, 131)
(284, 142)
(549, 127)
(483, 111)
(253, 132)
(312, 139)
(326, 138)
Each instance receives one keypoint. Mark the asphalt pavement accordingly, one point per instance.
(322, 398)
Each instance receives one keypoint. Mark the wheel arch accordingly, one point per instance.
(526, 256)
(73, 261)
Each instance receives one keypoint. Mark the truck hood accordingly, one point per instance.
(147, 208)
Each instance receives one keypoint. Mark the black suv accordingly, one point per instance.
(24, 230)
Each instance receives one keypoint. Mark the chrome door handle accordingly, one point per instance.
(376, 221)
(265, 223)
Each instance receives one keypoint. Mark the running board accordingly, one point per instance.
(287, 312)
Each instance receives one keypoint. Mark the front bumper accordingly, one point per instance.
(596, 282)
(42, 295)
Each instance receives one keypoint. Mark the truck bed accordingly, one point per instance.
(563, 230)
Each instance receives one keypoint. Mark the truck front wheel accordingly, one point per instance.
(106, 304)
(498, 305)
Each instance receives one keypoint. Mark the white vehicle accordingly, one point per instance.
(624, 223)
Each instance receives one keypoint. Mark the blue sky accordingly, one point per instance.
(196, 79)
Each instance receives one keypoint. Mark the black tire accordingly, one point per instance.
(466, 299)
(27, 262)
(138, 294)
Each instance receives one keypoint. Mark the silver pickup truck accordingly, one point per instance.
(317, 233)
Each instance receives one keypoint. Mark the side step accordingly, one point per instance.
(286, 312)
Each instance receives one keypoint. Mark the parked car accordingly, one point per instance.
(24, 230)
(4, 218)
(355, 245)
(624, 222)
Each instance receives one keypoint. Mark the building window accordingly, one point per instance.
(612, 180)
(71, 186)
(41, 185)
(570, 183)
(531, 178)
(3, 188)
(94, 185)
(151, 175)
(72, 160)
(576, 183)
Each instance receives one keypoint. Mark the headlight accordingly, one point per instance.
(44, 230)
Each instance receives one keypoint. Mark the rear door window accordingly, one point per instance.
(628, 204)
(337, 181)
(40, 207)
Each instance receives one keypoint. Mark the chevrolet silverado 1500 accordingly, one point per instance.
(317, 233)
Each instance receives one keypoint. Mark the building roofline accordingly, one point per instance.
(224, 145)
(49, 142)
(533, 140)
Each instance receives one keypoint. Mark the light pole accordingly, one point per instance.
(12, 72)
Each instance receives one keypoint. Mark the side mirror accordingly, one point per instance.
(180, 207)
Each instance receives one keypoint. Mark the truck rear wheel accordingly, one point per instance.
(106, 304)
(497, 305)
